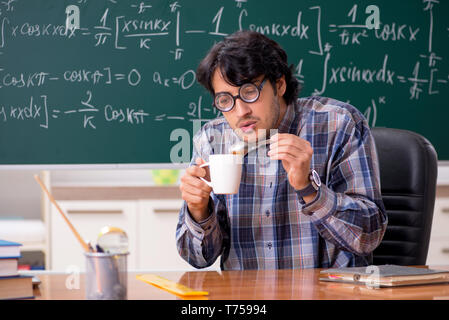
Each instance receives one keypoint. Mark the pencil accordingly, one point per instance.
(75, 232)
(64, 216)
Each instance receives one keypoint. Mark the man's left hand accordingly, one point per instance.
(296, 155)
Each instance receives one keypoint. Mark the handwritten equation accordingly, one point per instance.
(149, 50)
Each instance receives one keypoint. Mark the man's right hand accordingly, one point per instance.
(195, 191)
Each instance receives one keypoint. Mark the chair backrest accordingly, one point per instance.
(408, 173)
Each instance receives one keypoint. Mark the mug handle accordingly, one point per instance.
(209, 183)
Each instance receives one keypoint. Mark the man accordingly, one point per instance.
(312, 200)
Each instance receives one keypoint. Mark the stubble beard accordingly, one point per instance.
(263, 134)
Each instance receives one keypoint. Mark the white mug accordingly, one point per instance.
(225, 173)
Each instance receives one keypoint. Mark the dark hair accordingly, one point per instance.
(245, 55)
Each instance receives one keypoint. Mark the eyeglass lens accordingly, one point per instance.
(248, 92)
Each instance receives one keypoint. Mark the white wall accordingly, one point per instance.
(20, 195)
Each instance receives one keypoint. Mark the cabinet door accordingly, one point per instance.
(440, 224)
(438, 252)
(88, 217)
(157, 236)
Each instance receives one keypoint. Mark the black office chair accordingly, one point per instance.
(408, 173)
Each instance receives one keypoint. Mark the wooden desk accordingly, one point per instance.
(248, 285)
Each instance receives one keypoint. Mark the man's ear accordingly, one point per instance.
(281, 86)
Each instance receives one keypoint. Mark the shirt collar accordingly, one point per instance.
(289, 116)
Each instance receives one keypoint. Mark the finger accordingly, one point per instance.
(292, 149)
(280, 136)
(285, 136)
(297, 154)
(203, 195)
(195, 186)
(199, 161)
(297, 143)
(196, 171)
(286, 157)
(194, 182)
(289, 139)
(191, 198)
(195, 191)
(274, 137)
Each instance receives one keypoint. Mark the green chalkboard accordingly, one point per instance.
(121, 89)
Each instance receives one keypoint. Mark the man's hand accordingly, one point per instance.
(196, 192)
(296, 155)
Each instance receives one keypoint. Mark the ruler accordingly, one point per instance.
(170, 286)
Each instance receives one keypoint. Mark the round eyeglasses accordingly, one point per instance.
(249, 93)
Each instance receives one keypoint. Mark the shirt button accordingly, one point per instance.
(269, 245)
(267, 213)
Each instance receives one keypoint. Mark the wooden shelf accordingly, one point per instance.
(116, 193)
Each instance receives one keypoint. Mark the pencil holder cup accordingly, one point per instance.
(106, 276)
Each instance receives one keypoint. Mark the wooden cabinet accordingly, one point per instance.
(89, 217)
(157, 235)
(439, 240)
(149, 223)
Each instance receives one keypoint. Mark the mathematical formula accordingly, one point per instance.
(148, 27)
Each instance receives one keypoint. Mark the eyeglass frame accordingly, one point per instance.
(238, 96)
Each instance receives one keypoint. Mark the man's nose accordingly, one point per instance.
(242, 108)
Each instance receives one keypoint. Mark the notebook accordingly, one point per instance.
(385, 275)
(8, 267)
(19, 287)
(9, 249)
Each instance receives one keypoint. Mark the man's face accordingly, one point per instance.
(250, 120)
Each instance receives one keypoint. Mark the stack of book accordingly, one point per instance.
(385, 275)
(13, 285)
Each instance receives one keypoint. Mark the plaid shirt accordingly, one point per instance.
(265, 226)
